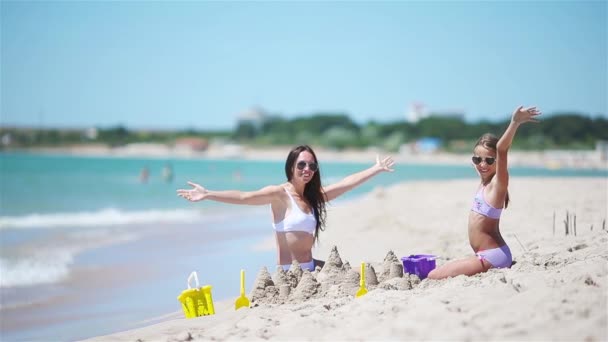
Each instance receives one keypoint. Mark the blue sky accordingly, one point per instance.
(200, 64)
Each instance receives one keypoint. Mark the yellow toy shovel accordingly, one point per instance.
(362, 289)
(242, 301)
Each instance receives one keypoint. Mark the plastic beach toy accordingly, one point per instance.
(362, 289)
(419, 264)
(242, 301)
(196, 301)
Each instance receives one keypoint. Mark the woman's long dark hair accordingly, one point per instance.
(489, 141)
(313, 191)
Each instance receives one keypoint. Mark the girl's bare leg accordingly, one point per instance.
(469, 266)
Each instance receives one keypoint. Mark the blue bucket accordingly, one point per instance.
(419, 264)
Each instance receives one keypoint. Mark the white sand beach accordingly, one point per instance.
(556, 290)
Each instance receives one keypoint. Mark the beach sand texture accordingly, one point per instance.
(556, 290)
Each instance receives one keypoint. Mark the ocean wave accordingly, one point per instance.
(104, 217)
(35, 263)
(35, 270)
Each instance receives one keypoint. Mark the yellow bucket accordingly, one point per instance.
(196, 301)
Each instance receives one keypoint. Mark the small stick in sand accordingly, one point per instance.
(567, 221)
(522, 246)
(554, 223)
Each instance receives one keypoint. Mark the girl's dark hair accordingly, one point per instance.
(313, 191)
(489, 141)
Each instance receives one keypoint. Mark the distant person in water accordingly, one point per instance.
(492, 196)
(144, 175)
(297, 205)
(167, 173)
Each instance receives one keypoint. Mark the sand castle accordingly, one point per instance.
(336, 279)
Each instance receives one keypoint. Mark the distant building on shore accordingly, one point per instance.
(7, 139)
(91, 133)
(418, 111)
(601, 147)
(191, 144)
(254, 116)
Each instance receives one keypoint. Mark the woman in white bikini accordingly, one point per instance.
(298, 205)
(490, 159)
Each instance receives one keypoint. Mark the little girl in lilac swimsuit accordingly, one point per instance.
(490, 162)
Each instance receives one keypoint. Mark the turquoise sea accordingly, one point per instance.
(87, 248)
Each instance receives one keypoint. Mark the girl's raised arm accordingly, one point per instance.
(520, 115)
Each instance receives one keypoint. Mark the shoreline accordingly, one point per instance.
(549, 159)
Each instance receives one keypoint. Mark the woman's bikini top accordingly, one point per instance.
(296, 220)
(482, 207)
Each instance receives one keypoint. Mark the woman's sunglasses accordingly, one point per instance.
(477, 160)
(301, 165)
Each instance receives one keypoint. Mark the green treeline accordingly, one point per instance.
(334, 130)
(571, 131)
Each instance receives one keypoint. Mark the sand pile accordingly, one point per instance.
(336, 279)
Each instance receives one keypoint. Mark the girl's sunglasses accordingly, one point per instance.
(477, 160)
(301, 165)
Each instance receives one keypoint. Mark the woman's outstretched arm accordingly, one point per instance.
(263, 196)
(356, 179)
